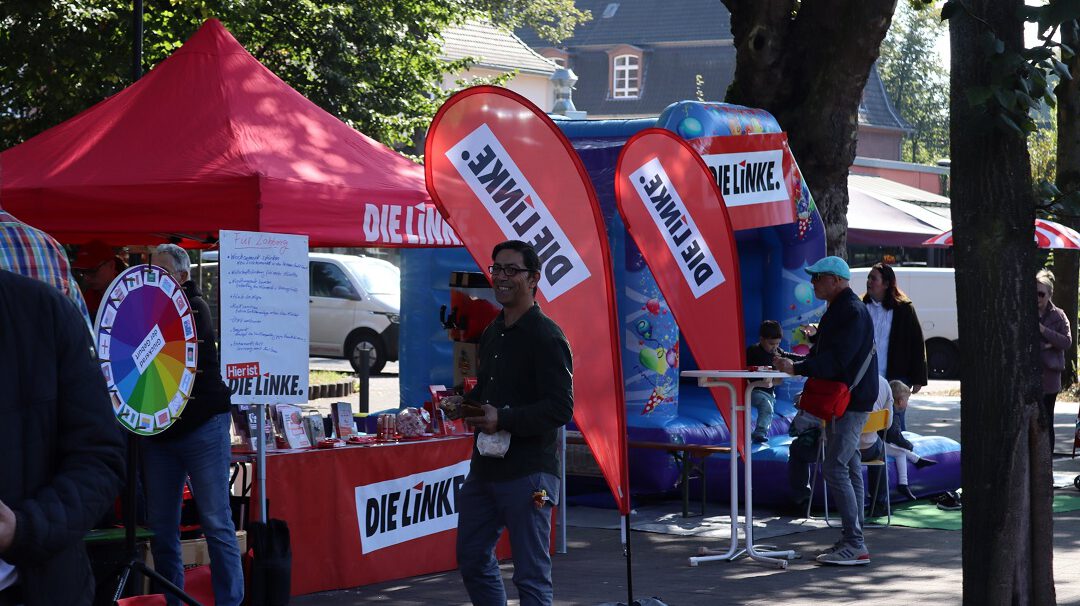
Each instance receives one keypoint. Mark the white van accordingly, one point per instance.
(933, 291)
(355, 306)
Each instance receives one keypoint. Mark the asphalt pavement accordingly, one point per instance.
(909, 566)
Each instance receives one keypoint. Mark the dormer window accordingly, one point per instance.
(625, 69)
(558, 55)
(626, 74)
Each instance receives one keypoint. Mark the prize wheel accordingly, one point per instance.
(148, 348)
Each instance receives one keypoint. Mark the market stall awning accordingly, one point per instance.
(886, 213)
(210, 139)
(1048, 234)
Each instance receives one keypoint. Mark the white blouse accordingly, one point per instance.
(882, 319)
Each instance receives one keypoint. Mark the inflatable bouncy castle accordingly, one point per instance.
(773, 251)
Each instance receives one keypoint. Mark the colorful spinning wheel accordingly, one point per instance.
(148, 348)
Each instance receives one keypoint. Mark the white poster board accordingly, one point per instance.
(264, 317)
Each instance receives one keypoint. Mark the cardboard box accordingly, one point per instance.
(193, 552)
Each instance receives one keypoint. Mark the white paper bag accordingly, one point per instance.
(493, 444)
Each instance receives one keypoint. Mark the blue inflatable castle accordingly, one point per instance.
(660, 406)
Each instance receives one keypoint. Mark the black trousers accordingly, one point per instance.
(1049, 400)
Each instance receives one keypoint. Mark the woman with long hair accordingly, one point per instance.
(1054, 340)
(897, 332)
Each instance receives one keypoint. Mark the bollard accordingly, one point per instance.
(362, 395)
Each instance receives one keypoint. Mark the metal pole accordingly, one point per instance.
(261, 460)
(629, 561)
(560, 544)
(137, 27)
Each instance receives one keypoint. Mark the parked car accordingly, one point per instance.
(933, 290)
(355, 307)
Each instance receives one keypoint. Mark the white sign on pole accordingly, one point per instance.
(264, 317)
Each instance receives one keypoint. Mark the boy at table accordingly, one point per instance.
(526, 393)
(763, 398)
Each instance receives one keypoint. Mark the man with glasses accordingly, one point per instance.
(196, 446)
(525, 394)
(97, 265)
(843, 342)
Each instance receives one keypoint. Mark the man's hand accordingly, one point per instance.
(7, 527)
(488, 422)
(915, 388)
(783, 365)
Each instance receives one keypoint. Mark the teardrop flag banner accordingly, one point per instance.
(499, 169)
(674, 211)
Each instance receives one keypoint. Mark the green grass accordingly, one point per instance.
(923, 514)
(329, 377)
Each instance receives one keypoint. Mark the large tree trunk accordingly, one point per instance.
(807, 63)
(1006, 468)
(1067, 263)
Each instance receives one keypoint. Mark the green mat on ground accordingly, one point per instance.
(923, 514)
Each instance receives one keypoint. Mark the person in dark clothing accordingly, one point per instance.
(844, 348)
(61, 447)
(898, 333)
(525, 391)
(1054, 340)
(196, 446)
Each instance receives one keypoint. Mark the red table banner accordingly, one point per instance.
(677, 217)
(499, 169)
(359, 515)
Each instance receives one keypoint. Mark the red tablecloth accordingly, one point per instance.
(360, 515)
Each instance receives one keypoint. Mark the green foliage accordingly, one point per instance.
(372, 63)
(916, 82)
(1021, 80)
(1042, 149)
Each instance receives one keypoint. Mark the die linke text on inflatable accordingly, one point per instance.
(755, 175)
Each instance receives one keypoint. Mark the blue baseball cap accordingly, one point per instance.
(831, 265)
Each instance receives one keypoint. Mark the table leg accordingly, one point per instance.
(684, 475)
(751, 550)
(704, 553)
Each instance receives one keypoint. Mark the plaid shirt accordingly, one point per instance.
(35, 254)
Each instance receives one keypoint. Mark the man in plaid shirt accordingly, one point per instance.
(35, 254)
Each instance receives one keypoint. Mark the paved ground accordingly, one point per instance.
(909, 565)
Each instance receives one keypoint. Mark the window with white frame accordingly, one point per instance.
(626, 77)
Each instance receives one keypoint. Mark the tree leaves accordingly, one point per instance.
(372, 63)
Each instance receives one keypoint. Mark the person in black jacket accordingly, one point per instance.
(61, 448)
(196, 446)
(844, 342)
(897, 332)
(526, 393)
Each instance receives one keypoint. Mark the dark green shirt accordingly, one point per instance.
(526, 371)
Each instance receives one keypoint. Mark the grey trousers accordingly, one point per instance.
(484, 510)
(843, 472)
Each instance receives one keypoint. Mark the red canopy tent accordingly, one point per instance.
(210, 139)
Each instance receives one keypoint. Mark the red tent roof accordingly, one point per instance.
(210, 139)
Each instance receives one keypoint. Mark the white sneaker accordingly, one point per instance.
(845, 555)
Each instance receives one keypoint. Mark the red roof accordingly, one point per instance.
(210, 139)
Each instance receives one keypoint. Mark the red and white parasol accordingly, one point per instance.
(1047, 235)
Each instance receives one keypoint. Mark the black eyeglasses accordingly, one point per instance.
(1042, 295)
(507, 270)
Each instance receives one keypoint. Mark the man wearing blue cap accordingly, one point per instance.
(843, 351)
